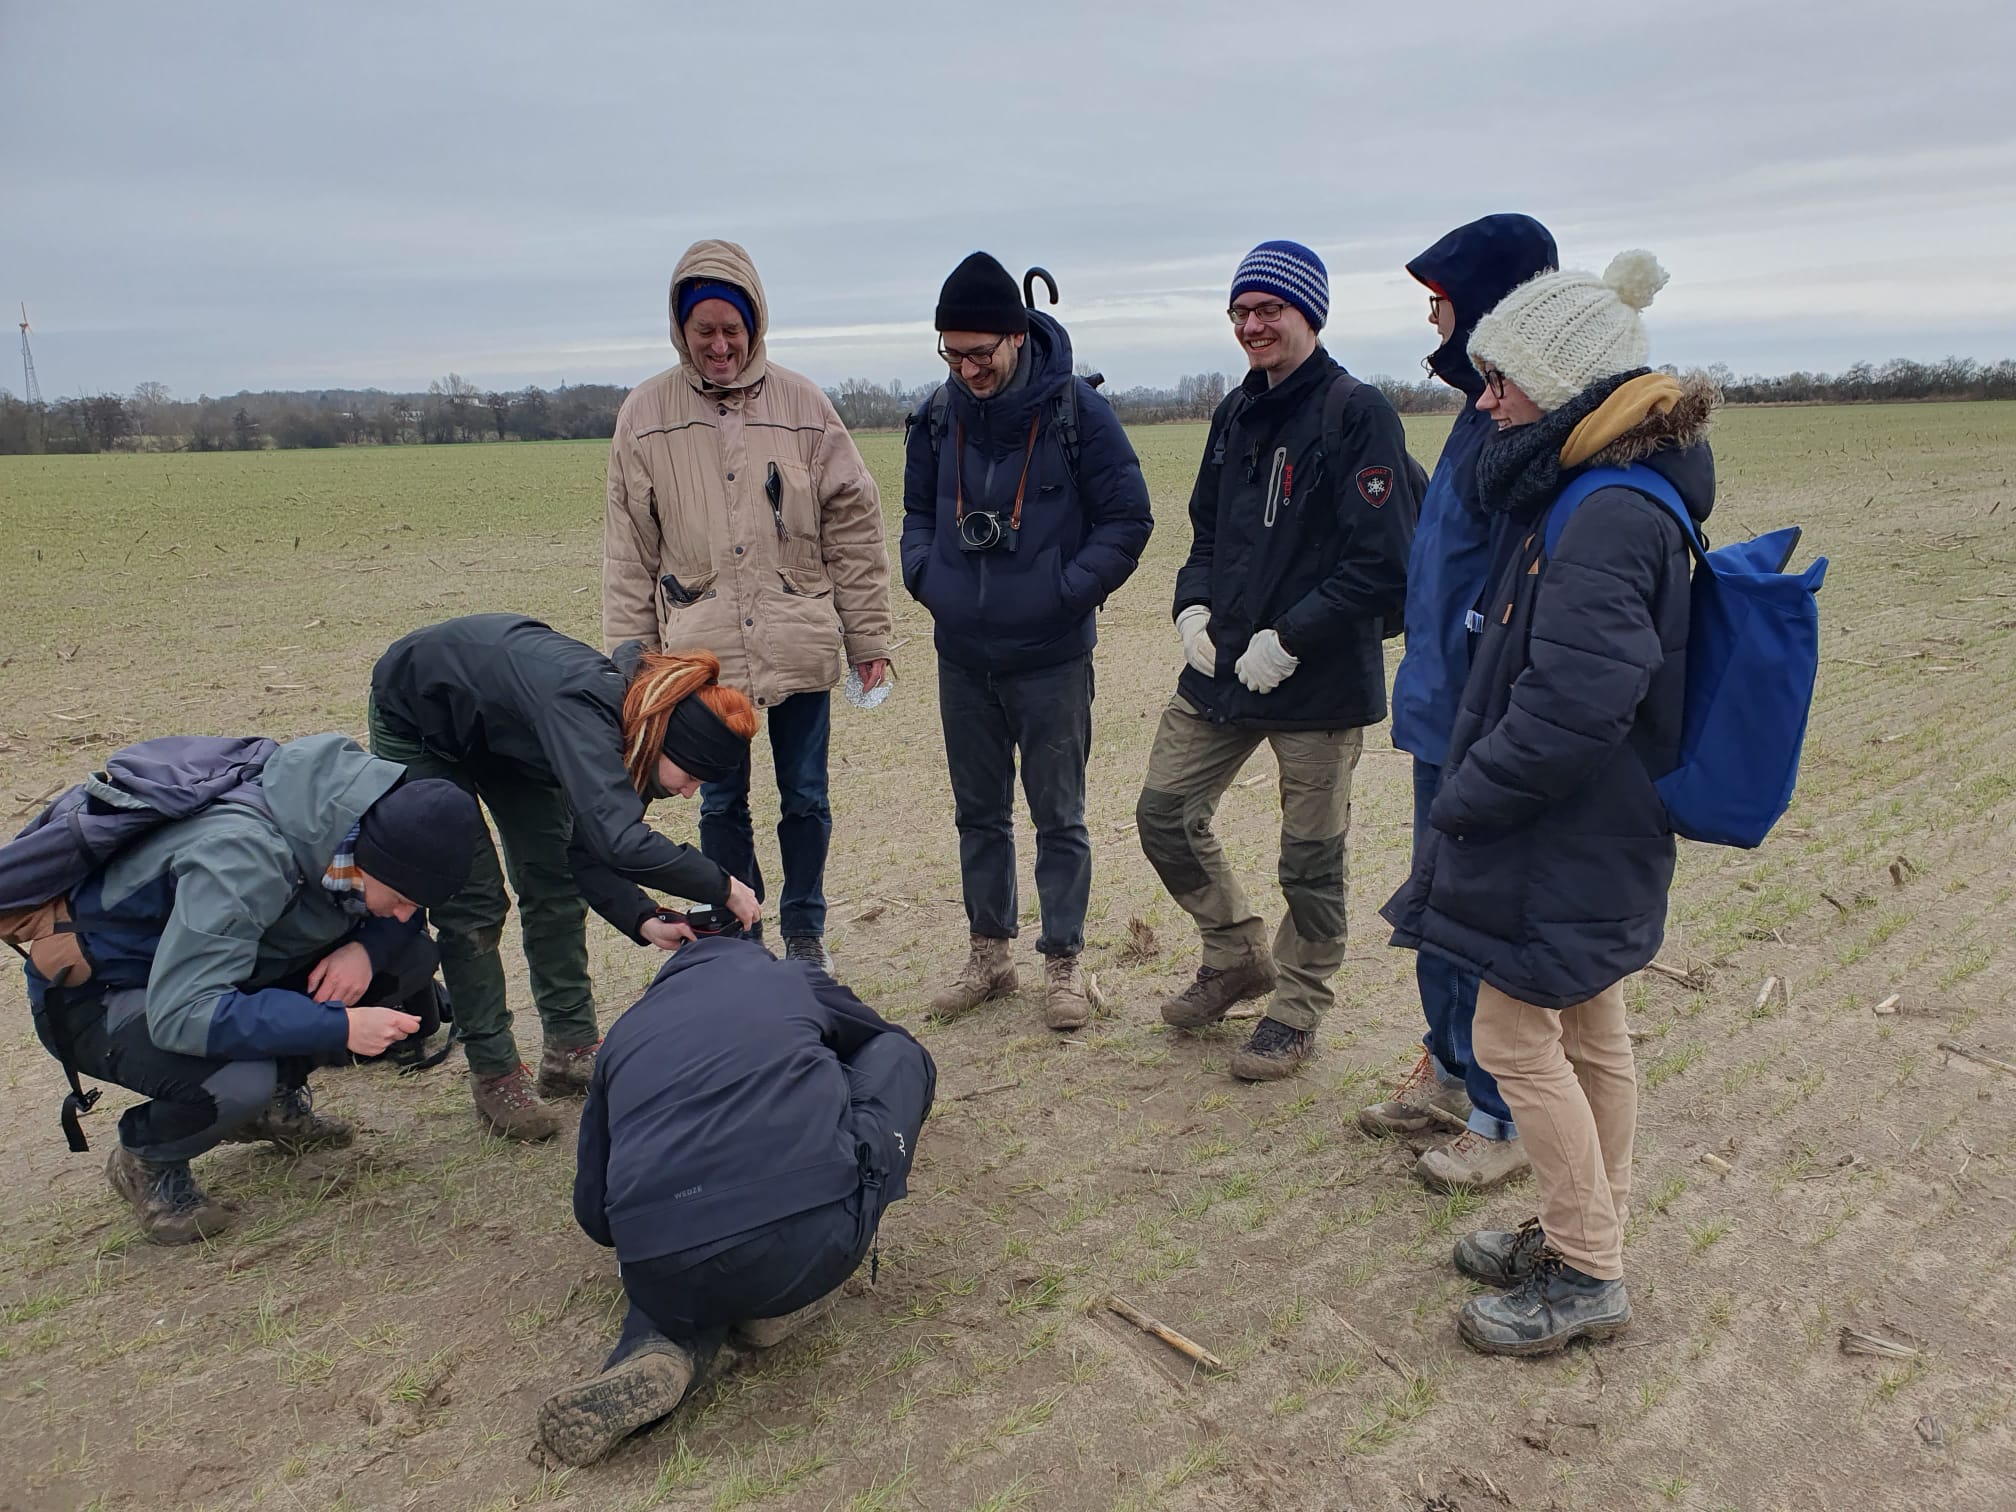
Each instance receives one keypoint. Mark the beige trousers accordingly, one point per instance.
(1569, 1078)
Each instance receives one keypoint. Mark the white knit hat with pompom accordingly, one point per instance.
(1557, 333)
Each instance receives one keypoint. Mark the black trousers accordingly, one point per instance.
(194, 1100)
(693, 1297)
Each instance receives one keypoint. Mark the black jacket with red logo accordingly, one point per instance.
(1313, 546)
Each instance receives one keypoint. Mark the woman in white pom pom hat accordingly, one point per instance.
(1551, 857)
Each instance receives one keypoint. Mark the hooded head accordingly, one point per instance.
(1474, 267)
(726, 265)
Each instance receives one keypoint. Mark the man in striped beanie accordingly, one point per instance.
(1302, 515)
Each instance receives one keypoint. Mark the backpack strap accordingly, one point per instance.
(1239, 402)
(1342, 387)
(1638, 477)
(1065, 415)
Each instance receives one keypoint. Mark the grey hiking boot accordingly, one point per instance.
(988, 973)
(1211, 996)
(1501, 1257)
(1272, 1052)
(581, 1424)
(291, 1122)
(566, 1070)
(1067, 994)
(1416, 1102)
(1552, 1307)
(768, 1333)
(809, 948)
(171, 1207)
(507, 1104)
(1473, 1160)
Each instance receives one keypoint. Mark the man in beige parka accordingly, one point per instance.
(742, 520)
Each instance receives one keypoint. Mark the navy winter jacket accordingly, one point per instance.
(720, 1102)
(1455, 542)
(1313, 546)
(1080, 538)
(1551, 854)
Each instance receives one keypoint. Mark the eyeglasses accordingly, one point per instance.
(1493, 379)
(978, 356)
(1435, 303)
(1266, 313)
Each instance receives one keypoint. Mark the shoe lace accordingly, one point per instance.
(1468, 1143)
(511, 1087)
(1271, 1036)
(1206, 975)
(1423, 1076)
(296, 1103)
(175, 1184)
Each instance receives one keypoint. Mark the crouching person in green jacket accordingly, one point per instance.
(222, 957)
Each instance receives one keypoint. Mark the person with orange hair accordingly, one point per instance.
(566, 747)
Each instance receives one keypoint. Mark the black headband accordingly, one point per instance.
(701, 744)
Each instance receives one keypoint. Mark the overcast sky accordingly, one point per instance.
(222, 197)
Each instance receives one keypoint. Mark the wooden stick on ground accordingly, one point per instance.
(1188, 1348)
(1387, 1358)
(1007, 1086)
(1953, 1048)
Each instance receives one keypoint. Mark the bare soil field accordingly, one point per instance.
(378, 1331)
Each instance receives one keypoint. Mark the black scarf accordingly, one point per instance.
(700, 744)
(1519, 471)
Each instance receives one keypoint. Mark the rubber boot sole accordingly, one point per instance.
(582, 1424)
(1552, 1344)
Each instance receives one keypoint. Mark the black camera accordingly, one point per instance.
(705, 920)
(984, 530)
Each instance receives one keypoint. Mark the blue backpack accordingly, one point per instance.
(1753, 650)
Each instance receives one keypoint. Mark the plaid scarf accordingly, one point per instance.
(342, 879)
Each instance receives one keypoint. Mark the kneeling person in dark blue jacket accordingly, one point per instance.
(748, 1123)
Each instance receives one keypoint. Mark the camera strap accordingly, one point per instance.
(959, 473)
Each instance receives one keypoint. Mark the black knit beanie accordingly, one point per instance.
(420, 838)
(981, 296)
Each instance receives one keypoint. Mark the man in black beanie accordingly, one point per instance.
(217, 960)
(1024, 509)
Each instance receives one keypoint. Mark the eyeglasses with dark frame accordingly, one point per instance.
(1493, 379)
(1435, 303)
(978, 356)
(1266, 313)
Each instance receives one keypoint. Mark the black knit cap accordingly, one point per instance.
(700, 743)
(981, 296)
(420, 838)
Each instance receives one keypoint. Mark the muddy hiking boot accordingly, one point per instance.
(1213, 993)
(581, 1424)
(1273, 1051)
(171, 1207)
(566, 1070)
(810, 949)
(1551, 1307)
(291, 1122)
(988, 973)
(1414, 1102)
(1473, 1160)
(509, 1106)
(1501, 1257)
(1068, 994)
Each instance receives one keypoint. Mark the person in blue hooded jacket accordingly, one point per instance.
(1466, 273)
(1024, 509)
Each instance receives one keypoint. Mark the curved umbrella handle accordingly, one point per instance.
(1029, 286)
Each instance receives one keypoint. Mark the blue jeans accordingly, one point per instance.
(1449, 1000)
(799, 727)
(1045, 716)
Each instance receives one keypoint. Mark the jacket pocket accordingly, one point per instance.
(795, 507)
(676, 592)
(805, 582)
(1480, 881)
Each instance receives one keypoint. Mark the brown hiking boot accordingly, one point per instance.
(508, 1105)
(1069, 995)
(565, 1070)
(171, 1207)
(988, 973)
(1416, 1102)
(768, 1333)
(1211, 996)
(1272, 1052)
(581, 1424)
(291, 1122)
(1473, 1160)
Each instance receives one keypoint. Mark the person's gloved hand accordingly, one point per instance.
(1193, 625)
(1266, 663)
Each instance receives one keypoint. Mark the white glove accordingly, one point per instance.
(1266, 663)
(1193, 625)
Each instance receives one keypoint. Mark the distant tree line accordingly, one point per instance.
(454, 410)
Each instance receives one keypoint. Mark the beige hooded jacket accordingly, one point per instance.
(694, 555)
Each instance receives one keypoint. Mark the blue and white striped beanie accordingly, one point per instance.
(1289, 271)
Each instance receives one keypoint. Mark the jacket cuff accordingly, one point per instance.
(865, 649)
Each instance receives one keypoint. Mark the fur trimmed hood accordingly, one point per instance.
(1684, 423)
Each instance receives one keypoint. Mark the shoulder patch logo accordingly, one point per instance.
(1375, 484)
